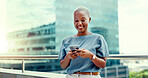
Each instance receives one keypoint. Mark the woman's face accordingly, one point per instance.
(81, 21)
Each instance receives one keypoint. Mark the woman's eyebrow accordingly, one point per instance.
(83, 18)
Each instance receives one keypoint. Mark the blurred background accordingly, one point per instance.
(37, 27)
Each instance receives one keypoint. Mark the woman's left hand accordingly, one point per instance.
(84, 53)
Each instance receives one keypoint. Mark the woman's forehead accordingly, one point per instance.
(81, 13)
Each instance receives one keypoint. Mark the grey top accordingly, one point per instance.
(95, 43)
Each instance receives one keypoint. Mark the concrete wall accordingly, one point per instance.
(10, 73)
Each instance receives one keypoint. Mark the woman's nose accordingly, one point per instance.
(79, 23)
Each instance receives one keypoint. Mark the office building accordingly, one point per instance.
(36, 41)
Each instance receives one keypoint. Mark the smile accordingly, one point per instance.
(80, 27)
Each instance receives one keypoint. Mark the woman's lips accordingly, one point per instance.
(80, 28)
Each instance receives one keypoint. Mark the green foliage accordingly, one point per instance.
(141, 74)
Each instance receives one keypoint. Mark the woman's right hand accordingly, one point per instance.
(72, 55)
(65, 62)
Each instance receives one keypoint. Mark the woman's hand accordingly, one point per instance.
(85, 53)
(99, 62)
(72, 55)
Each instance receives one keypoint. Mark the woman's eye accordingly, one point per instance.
(76, 20)
(82, 20)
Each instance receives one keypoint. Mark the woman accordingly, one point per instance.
(87, 61)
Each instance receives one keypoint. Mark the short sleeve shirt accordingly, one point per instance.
(95, 43)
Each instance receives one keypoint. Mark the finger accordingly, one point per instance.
(77, 53)
(74, 57)
(81, 50)
(70, 51)
(74, 54)
(74, 51)
(81, 54)
(78, 50)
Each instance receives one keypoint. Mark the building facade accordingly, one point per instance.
(35, 41)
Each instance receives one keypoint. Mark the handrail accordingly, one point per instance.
(111, 56)
(28, 56)
(128, 56)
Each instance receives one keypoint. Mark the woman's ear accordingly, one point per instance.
(89, 19)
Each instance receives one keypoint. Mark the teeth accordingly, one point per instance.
(80, 27)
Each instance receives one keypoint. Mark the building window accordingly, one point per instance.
(37, 48)
(31, 34)
(20, 49)
(39, 33)
(45, 32)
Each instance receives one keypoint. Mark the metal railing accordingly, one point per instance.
(26, 57)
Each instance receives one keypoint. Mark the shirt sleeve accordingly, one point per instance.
(102, 50)
(62, 52)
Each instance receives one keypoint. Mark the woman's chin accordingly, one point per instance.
(80, 31)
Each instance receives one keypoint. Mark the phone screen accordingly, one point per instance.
(73, 48)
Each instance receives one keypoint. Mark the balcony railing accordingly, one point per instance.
(27, 57)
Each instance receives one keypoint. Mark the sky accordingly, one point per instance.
(133, 26)
(2, 27)
(23, 14)
(26, 14)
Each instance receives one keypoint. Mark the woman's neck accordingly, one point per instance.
(82, 34)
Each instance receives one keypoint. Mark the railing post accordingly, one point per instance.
(105, 72)
(116, 71)
(23, 66)
(127, 72)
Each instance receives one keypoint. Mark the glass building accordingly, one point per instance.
(35, 41)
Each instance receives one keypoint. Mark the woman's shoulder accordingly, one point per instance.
(67, 38)
(97, 35)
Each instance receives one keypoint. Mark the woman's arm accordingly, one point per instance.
(99, 62)
(65, 63)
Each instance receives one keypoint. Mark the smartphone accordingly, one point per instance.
(73, 48)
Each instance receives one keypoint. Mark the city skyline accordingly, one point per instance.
(134, 10)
